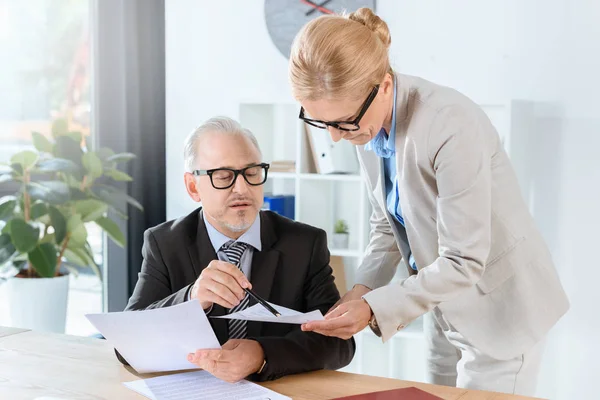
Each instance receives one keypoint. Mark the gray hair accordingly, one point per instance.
(215, 125)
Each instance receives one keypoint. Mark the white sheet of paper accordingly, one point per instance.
(159, 339)
(200, 385)
(258, 313)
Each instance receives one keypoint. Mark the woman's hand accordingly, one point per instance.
(348, 317)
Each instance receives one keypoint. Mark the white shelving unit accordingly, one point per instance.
(320, 199)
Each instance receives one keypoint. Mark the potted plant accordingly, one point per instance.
(340, 235)
(61, 187)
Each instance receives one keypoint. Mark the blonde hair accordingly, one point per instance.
(340, 56)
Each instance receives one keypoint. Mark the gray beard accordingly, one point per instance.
(241, 227)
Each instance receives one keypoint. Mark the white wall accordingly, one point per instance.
(219, 55)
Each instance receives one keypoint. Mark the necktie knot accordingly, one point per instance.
(234, 251)
(233, 245)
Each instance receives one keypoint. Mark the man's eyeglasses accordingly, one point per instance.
(224, 178)
(349, 126)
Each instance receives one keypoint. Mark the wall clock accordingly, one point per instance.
(284, 18)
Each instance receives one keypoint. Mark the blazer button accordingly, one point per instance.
(400, 327)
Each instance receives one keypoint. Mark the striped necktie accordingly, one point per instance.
(234, 251)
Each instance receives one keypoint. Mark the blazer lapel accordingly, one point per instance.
(264, 266)
(202, 253)
(375, 173)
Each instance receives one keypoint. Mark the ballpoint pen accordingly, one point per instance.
(263, 302)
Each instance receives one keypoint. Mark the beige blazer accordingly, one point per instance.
(480, 257)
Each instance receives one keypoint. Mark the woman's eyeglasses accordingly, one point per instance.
(349, 126)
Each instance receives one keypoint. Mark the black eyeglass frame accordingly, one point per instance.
(236, 173)
(336, 124)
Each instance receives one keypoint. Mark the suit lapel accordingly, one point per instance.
(264, 267)
(202, 253)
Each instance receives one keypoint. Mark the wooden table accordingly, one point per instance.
(36, 364)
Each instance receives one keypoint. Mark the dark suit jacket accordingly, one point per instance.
(291, 270)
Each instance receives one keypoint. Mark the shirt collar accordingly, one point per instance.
(251, 236)
(384, 144)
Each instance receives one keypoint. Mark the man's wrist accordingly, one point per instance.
(262, 367)
(262, 357)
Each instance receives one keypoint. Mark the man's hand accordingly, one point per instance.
(346, 319)
(237, 359)
(221, 283)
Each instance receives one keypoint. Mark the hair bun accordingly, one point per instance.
(368, 18)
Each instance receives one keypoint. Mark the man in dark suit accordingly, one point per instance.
(227, 244)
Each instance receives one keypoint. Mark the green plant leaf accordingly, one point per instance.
(59, 223)
(17, 169)
(7, 207)
(58, 165)
(92, 164)
(92, 263)
(53, 192)
(38, 210)
(42, 143)
(72, 270)
(77, 194)
(115, 197)
(59, 127)
(43, 259)
(76, 230)
(76, 136)
(23, 235)
(44, 220)
(73, 257)
(6, 228)
(69, 149)
(90, 209)
(26, 158)
(104, 153)
(121, 157)
(117, 175)
(48, 238)
(112, 230)
(7, 249)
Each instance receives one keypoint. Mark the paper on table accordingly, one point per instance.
(159, 339)
(200, 385)
(258, 313)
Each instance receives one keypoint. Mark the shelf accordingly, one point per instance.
(346, 253)
(282, 175)
(332, 177)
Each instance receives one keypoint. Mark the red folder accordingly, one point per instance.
(411, 393)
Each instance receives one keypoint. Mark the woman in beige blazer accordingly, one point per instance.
(446, 205)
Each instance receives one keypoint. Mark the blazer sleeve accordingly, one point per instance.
(153, 288)
(382, 255)
(461, 160)
(300, 351)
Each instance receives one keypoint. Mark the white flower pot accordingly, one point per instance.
(38, 304)
(340, 240)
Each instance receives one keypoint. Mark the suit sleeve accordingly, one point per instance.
(153, 288)
(459, 154)
(301, 351)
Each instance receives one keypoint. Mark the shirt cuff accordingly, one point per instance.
(189, 297)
